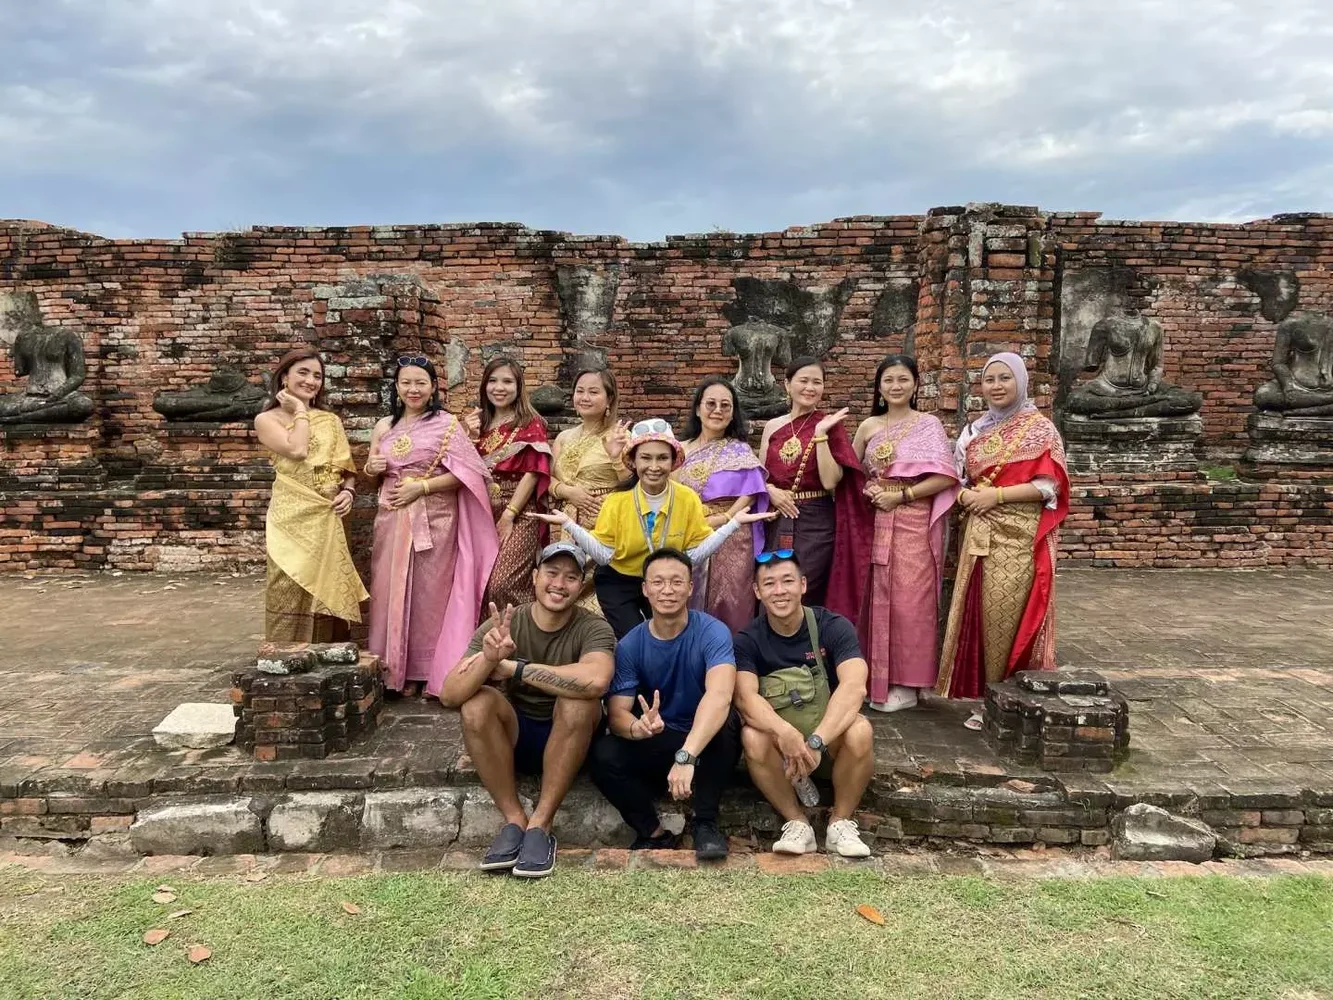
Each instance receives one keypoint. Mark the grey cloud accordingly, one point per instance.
(657, 115)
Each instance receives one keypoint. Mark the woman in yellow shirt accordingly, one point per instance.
(647, 513)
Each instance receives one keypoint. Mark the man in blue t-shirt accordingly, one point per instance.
(679, 670)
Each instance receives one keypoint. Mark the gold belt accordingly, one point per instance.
(804, 495)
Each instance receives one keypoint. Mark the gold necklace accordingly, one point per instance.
(791, 448)
(883, 453)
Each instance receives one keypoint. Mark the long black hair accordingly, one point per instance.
(396, 405)
(738, 429)
(880, 405)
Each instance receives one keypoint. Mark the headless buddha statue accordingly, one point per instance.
(1303, 365)
(1126, 352)
(226, 396)
(51, 358)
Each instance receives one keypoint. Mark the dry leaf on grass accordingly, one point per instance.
(178, 914)
(256, 876)
(164, 896)
(156, 936)
(868, 912)
(198, 953)
(351, 908)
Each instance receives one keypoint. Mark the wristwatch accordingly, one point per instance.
(683, 756)
(520, 665)
(816, 743)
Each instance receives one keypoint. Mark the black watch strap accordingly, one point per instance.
(683, 756)
(520, 665)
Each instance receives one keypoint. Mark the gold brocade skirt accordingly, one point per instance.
(293, 614)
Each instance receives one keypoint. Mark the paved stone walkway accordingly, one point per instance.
(1230, 675)
(986, 863)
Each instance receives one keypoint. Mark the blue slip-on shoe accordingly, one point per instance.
(537, 855)
(504, 849)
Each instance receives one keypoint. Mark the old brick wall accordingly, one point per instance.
(953, 286)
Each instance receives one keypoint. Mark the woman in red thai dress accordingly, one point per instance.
(814, 485)
(1016, 494)
(911, 482)
(511, 438)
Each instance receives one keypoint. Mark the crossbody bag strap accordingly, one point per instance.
(813, 626)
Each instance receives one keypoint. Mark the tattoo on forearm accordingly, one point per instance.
(552, 679)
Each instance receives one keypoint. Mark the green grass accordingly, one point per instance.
(658, 934)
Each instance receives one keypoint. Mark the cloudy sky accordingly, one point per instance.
(648, 117)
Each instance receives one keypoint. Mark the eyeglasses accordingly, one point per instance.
(413, 361)
(765, 557)
(722, 407)
(654, 426)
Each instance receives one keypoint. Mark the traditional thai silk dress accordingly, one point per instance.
(833, 523)
(510, 453)
(720, 472)
(585, 463)
(431, 558)
(1002, 618)
(899, 622)
(312, 590)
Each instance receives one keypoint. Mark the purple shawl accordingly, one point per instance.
(726, 469)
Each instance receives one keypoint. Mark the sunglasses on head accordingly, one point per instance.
(654, 426)
(765, 557)
(413, 361)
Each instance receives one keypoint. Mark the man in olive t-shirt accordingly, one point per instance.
(529, 689)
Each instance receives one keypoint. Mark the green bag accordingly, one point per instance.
(800, 694)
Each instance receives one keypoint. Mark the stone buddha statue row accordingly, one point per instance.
(1126, 353)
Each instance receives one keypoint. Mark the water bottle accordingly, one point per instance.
(806, 792)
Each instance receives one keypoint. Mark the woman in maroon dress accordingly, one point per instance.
(814, 484)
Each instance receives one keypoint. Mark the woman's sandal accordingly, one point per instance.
(975, 722)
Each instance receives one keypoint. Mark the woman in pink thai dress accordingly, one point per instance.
(724, 470)
(435, 540)
(911, 482)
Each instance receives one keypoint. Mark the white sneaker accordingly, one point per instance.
(798, 837)
(843, 839)
(899, 698)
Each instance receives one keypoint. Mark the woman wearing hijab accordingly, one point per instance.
(1016, 493)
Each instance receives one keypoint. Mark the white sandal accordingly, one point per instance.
(975, 722)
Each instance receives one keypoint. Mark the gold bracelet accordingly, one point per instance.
(819, 439)
(425, 486)
(511, 509)
(300, 416)
(999, 494)
(909, 494)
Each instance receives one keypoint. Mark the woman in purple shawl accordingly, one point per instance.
(723, 469)
(911, 482)
(435, 539)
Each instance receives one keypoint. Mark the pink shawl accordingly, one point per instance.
(439, 444)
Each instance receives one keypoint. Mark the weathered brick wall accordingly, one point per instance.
(953, 286)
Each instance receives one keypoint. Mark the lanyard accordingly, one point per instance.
(648, 521)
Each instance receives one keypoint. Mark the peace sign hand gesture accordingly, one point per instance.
(831, 421)
(617, 438)
(650, 722)
(498, 643)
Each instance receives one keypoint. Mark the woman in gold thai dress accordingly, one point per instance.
(584, 468)
(312, 591)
